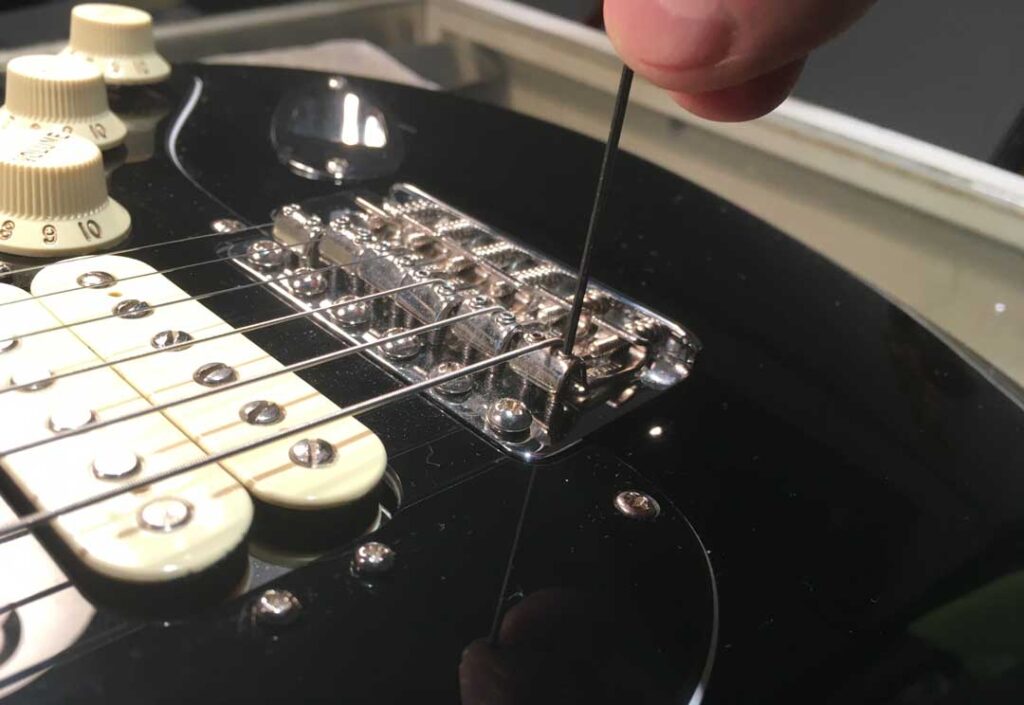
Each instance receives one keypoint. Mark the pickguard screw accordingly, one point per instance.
(480, 301)
(226, 225)
(96, 280)
(445, 290)
(261, 413)
(509, 418)
(312, 453)
(115, 464)
(132, 309)
(373, 558)
(214, 374)
(637, 505)
(171, 338)
(71, 418)
(277, 608)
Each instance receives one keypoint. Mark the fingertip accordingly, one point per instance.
(747, 101)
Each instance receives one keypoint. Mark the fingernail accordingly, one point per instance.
(672, 34)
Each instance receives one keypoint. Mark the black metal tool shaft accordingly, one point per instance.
(604, 183)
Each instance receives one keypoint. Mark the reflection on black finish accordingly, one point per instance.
(330, 131)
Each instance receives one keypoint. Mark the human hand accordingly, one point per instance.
(725, 60)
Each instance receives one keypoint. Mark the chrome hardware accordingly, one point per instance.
(308, 283)
(70, 418)
(510, 418)
(404, 348)
(458, 387)
(637, 505)
(32, 378)
(312, 453)
(165, 514)
(226, 225)
(132, 308)
(171, 338)
(352, 314)
(116, 464)
(624, 353)
(266, 255)
(96, 280)
(214, 374)
(261, 413)
(276, 608)
(373, 558)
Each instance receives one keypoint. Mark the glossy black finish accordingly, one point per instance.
(855, 481)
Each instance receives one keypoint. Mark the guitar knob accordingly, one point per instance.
(57, 92)
(53, 195)
(119, 40)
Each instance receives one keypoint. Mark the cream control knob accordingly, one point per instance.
(53, 195)
(119, 40)
(58, 92)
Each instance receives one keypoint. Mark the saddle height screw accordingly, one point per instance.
(637, 505)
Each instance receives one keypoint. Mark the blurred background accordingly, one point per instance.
(940, 70)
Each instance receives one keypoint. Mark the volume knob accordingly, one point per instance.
(53, 195)
(57, 92)
(119, 40)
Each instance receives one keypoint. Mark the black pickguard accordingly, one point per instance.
(854, 481)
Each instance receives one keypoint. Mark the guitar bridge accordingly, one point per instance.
(428, 290)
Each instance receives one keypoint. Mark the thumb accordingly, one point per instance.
(703, 47)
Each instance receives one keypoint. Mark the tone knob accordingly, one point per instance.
(58, 92)
(53, 195)
(119, 40)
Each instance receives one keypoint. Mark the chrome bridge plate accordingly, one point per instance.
(327, 254)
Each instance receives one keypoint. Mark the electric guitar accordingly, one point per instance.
(286, 417)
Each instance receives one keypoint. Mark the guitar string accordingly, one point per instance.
(140, 248)
(294, 367)
(170, 270)
(569, 339)
(197, 297)
(41, 517)
(234, 331)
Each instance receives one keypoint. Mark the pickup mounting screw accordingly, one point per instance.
(277, 608)
(96, 280)
(132, 308)
(170, 338)
(637, 505)
(261, 413)
(373, 558)
(214, 374)
(312, 453)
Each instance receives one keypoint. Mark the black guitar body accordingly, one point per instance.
(841, 493)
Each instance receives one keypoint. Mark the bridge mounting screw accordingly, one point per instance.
(277, 608)
(637, 505)
(509, 418)
(373, 558)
